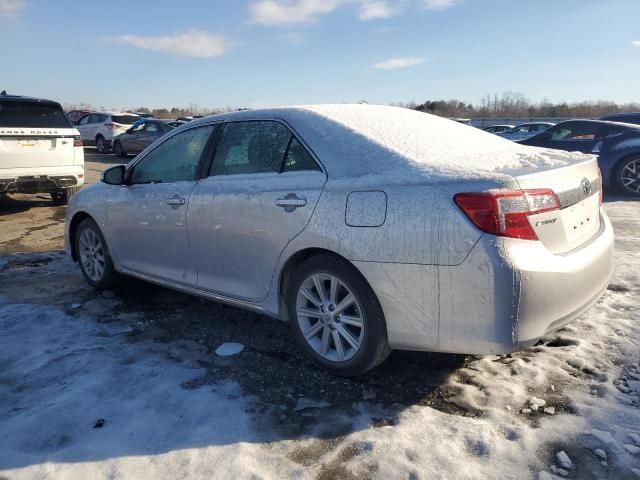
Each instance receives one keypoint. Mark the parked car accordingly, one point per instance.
(368, 228)
(142, 134)
(617, 146)
(40, 151)
(624, 118)
(99, 128)
(75, 115)
(525, 130)
(498, 128)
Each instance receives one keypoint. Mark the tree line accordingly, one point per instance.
(514, 104)
(508, 105)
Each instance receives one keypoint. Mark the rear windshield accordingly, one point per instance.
(125, 119)
(32, 115)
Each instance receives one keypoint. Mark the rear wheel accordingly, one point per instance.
(93, 256)
(336, 317)
(628, 176)
(62, 196)
(118, 149)
(101, 145)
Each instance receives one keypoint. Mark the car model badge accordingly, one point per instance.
(586, 186)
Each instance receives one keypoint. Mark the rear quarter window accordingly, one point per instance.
(32, 115)
(125, 119)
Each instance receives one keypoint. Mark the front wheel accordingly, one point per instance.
(628, 176)
(336, 318)
(93, 256)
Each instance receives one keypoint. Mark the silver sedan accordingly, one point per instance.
(368, 228)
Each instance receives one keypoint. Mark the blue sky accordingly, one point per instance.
(239, 53)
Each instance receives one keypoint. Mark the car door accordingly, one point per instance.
(261, 191)
(83, 127)
(151, 132)
(131, 139)
(147, 217)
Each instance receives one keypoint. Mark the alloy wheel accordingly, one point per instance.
(630, 176)
(92, 257)
(330, 318)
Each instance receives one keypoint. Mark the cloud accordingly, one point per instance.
(395, 63)
(195, 43)
(371, 10)
(9, 8)
(290, 12)
(636, 44)
(439, 5)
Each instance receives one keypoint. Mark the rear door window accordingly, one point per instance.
(251, 147)
(32, 115)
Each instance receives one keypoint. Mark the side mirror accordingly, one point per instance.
(114, 175)
(545, 136)
(129, 130)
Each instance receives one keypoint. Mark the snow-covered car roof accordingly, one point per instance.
(358, 140)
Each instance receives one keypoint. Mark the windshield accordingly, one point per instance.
(32, 114)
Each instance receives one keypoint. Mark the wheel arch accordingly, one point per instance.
(289, 267)
(77, 219)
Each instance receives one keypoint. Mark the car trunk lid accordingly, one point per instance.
(579, 188)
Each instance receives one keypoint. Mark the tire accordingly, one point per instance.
(627, 176)
(93, 256)
(326, 325)
(100, 144)
(118, 150)
(62, 196)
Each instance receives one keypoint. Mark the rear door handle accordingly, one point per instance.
(175, 201)
(290, 202)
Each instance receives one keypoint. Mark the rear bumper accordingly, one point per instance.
(40, 180)
(505, 296)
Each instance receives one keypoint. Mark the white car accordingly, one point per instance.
(100, 128)
(40, 152)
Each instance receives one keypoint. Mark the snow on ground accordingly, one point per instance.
(80, 398)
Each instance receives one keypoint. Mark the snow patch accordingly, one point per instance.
(228, 349)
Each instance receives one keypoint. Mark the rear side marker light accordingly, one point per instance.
(505, 213)
(77, 141)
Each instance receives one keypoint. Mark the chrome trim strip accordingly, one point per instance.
(576, 195)
(193, 291)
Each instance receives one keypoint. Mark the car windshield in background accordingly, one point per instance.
(125, 119)
(32, 115)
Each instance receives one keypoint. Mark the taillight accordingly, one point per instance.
(110, 126)
(77, 141)
(505, 212)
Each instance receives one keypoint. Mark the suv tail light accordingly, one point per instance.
(77, 141)
(113, 126)
(505, 212)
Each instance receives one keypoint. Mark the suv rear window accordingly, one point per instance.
(32, 115)
(125, 119)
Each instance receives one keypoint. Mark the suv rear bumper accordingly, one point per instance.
(41, 181)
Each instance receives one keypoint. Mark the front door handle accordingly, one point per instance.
(290, 202)
(175, 201)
